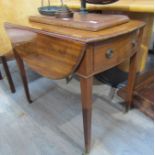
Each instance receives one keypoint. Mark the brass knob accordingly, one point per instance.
(134, 43)
(109, 53)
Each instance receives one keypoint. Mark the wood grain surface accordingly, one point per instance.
(79, 35)
(121, 48)
(91, 22)
(49, 56)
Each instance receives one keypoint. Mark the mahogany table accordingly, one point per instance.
(58, 52)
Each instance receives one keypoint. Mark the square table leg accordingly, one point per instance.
(86, 98)
(131, 81)
(133, 68)
(22, 71)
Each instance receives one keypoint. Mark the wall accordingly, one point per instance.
(14, 11)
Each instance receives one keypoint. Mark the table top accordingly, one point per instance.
(81, 35)
(144, 6)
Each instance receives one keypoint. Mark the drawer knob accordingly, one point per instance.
(109, 53)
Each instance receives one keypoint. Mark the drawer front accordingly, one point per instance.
(114, 51)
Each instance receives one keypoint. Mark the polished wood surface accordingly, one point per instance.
(22, 71)
(86, 99)
(49, 56)
(91, 22)
(96, 52)
(80, 35)
(114, 45)
(132, 72)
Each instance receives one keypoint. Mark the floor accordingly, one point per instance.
(52, 124)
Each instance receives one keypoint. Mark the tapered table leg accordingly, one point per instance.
(23, 76)
(131, 81)
(8, 75)
(86, 97)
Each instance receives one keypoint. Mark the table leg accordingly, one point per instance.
(86, 98)
(23, 76)
(131, 81)
(8, 75)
